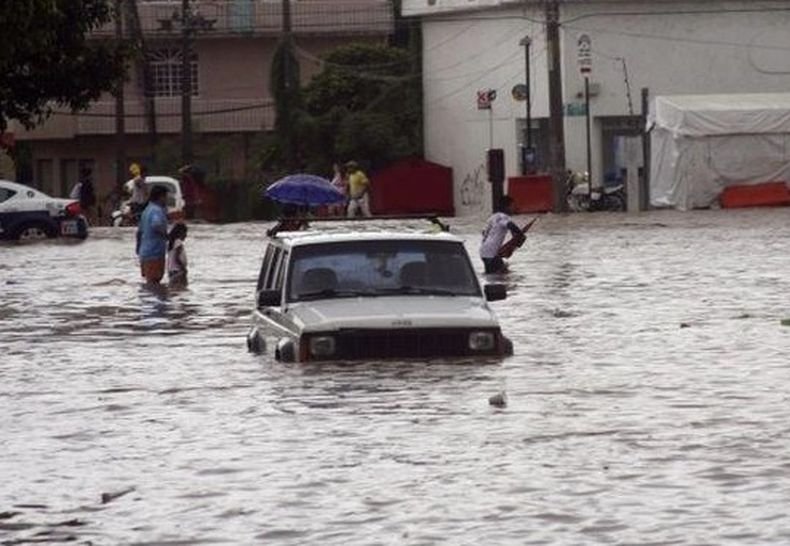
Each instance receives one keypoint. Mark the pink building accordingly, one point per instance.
(232, 47)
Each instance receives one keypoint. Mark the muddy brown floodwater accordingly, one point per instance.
(647, 400)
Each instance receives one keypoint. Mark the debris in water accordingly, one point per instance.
(785, 322)
(499, 400)
(685, 325)
(109, 497)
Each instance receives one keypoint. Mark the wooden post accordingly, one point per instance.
(120, 111)
(556, 128)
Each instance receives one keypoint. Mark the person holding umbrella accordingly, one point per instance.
(299, 192)
(289, 221)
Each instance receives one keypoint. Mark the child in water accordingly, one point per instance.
(177, 255)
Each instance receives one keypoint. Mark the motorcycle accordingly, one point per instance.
(583, 198)
(126, 215)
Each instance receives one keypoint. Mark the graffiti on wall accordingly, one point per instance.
(473, 189)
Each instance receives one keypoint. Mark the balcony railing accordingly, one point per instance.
(209, 116)
(220, 18)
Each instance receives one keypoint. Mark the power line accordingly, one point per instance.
(468, 84)
(666, 38)
(266, 105)
(719, 11)
(624, 66)
(461, 17)
(509, 36)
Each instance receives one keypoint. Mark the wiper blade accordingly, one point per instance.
(424, 290)
(333, 293)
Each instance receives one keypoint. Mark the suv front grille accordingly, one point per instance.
(406, 343)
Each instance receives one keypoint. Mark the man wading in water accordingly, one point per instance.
(494, 233)
(152, 236)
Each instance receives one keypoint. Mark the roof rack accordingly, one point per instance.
(432, 218)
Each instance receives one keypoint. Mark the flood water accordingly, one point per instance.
(647, 400)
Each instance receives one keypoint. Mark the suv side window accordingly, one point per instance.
(278, 281)
(271, 274)
(265, 266)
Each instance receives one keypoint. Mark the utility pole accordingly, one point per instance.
(186, 83)
(287, 29)
(285, 123)
(646, 151)
(556, 129)
(120, 112)
(528, 154)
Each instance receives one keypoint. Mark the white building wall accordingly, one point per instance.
(671, 53)
(727, 47)
(460, 58)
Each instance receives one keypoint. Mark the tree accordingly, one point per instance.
(284, 87)
(47, 57)
(366, 105)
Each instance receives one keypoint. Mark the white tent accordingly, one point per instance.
(700, 144)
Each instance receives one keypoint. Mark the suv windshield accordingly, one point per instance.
(380, 268)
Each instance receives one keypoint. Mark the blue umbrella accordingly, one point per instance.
(304, 189)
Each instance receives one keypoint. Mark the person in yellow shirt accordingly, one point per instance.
(358, 190)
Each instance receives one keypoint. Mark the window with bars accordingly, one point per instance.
(165, 67)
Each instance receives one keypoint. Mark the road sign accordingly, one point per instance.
(484, 98)
(584, 55)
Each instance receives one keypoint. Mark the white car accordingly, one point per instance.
(175, 201)
(364, 296)
(26, 214)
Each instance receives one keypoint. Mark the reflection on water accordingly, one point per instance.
(646, 400)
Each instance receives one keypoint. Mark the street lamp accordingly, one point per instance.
(526, 42)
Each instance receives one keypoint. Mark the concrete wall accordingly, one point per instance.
(727, 47)
(460, 58)
(671, 53)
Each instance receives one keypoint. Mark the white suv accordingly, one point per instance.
(360, 296)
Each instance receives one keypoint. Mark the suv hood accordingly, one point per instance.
(393, 312)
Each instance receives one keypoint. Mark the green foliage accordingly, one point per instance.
(46, 57)
(365, 104)
(374, 137)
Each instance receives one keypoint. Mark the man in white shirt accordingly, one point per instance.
(494, 233)
(137, 189)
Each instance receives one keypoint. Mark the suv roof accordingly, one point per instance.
(309, 237)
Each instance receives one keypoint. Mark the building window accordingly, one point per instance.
(165, 65)
(70, 174)
(44, 177)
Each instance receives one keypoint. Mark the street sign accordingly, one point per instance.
(584, 55)
(484, 98)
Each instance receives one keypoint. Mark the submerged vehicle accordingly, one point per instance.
(352, 295)
(29, 214)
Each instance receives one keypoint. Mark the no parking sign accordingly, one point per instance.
(484, 98)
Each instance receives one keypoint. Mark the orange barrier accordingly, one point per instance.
(531, 193)
(767, 194)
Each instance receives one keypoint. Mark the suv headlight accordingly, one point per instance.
(482, 341)
(322, 346)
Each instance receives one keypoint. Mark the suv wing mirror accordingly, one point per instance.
(269, 298)
(495, 292)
